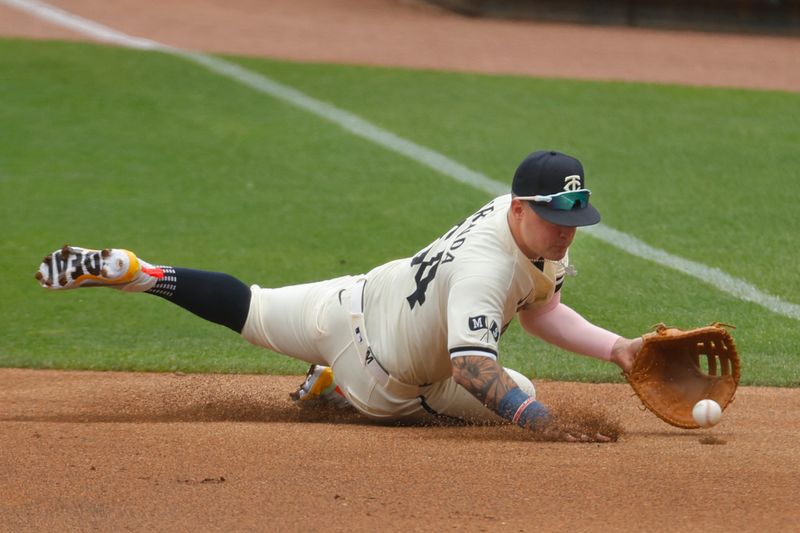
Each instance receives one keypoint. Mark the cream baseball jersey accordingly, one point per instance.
(455, 297)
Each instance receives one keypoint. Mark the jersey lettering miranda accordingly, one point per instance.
(454, 297)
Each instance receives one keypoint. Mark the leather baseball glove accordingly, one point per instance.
(674, 369)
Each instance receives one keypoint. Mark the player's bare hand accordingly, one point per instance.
(597, 437)
(583, 437)
(624, 351)
(556, 433)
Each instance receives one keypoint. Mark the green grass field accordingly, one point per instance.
(102, 147)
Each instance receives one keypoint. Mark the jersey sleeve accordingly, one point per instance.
(474, 318)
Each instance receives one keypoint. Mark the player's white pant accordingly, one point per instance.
(311, 322)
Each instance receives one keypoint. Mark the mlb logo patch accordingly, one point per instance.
(495, 331)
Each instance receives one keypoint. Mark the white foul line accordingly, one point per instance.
(438, 162)
(724, 282)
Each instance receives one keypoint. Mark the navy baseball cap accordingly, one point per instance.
(554, 186)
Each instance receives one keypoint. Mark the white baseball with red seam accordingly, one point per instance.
(706, 413)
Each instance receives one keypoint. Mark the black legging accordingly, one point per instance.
(217, 297)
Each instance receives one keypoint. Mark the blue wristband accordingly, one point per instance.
(521, 409)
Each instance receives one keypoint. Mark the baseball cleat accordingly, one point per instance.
(319, 385)
(71, 267)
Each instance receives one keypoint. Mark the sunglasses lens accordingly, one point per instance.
(570, 200)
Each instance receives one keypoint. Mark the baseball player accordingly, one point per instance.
(416, 337)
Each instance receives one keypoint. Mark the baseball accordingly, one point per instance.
(706, 413)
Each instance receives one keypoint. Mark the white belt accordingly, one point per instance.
(365, 352)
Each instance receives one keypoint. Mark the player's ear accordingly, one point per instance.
(517, 207)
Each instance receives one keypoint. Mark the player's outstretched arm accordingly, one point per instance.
(485, 379)
(561, 326)
(624, 352)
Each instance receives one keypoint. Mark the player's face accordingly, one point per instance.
(537, 237)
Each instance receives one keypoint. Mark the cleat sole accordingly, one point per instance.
(71, 267)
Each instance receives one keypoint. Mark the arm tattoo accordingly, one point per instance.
(483, 377)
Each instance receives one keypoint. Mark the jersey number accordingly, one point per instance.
(425, 274)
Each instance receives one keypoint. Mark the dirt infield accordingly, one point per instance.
(411, 33)
(112, 451)
(165, 452)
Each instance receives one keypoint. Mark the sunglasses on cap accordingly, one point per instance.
(563, 201)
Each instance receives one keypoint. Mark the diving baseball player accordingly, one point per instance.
(416, 337)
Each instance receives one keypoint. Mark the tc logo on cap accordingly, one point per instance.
(572, 183)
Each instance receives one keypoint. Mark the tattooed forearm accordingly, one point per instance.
(483, 377)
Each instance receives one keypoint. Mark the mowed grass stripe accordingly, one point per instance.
(218, 177)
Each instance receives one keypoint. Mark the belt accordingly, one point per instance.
(367, 356)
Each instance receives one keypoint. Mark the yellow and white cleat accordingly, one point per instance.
(72, 267)
(319, 385)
